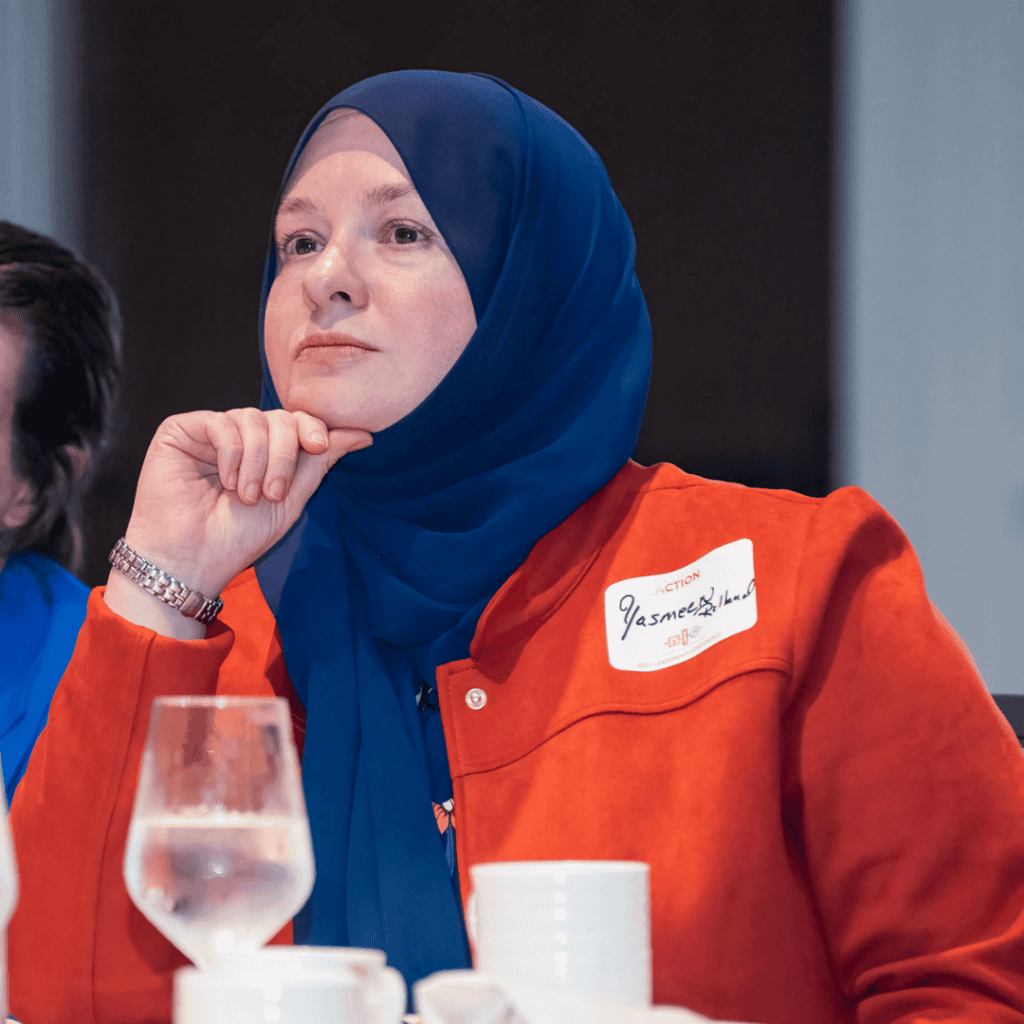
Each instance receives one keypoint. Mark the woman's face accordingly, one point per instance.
(15, 493)
(369, 309)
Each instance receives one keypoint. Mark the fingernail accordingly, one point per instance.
(275, 490)
(317, 438)
(252, 492)
(232, 481)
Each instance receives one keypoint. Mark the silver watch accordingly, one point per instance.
(190, 603)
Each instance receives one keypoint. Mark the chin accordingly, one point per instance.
(341, 415)
(355, 422)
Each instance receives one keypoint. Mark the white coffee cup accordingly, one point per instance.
(385, 987)
(463, 996)
(581, 925)
(245, 992)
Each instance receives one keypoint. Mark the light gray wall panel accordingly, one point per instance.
(38, 117)
(930, 298)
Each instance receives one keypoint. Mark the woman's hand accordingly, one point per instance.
(216, 491)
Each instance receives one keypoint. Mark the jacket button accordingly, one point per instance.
(476, 698)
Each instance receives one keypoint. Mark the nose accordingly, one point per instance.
(333, 281)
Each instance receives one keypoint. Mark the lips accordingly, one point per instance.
(322, 340)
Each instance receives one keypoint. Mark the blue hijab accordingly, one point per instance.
(387, 571)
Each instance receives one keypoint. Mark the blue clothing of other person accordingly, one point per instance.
(42, 607)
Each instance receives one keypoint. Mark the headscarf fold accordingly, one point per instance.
(387, 571)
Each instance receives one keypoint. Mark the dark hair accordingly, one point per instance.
(67, 389)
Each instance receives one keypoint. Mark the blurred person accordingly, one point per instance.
(59, 366)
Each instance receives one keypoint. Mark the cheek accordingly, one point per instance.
(8, 400)
(276, 332)
(444, 313)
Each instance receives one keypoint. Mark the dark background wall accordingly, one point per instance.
(712, 118)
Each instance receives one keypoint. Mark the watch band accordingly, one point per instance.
(190, 603)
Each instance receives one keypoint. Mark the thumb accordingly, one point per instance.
(313, 468)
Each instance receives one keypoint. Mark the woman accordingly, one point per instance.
(59, 364)
(491, 611)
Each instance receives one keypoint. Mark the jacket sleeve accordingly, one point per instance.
(905, 784)
(78, 949)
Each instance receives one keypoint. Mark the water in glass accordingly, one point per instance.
(219, 856)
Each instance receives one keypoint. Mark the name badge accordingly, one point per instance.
(656, 621)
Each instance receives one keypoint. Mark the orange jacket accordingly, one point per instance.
(831, 804)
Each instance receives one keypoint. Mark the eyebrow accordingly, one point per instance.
(307, 206)
(388, 194)
(375, 197)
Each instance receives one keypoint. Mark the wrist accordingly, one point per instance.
(191, 571)
(155, 580)
(131, 602)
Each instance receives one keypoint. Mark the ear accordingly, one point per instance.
(19, 510)
(81, 460)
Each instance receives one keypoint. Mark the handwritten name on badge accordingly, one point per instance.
(656, 621)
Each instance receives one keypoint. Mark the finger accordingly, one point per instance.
(252, 426)
(282, 453)
(312, 432)
(312, 468)
(344, 440)
(223, 434)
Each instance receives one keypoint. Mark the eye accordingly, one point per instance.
(298, 243)
(406, 234)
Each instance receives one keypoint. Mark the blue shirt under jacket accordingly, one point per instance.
(42, 607)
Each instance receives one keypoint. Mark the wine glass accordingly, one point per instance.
(8, 894)
(219, 856)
